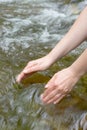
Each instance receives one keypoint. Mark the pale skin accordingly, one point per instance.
(63, 81)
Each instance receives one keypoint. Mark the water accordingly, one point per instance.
(29, 29)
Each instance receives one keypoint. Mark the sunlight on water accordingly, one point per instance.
(29, 29)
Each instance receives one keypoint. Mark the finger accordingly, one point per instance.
(49, 96)
(51, 86)
(52, 100)
(20, 77)
(50, 83)
(59, 99)
(55, 99)
(30, 70)
(30, 67)
(48, 92)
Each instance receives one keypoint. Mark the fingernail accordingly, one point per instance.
(46, 86)
(24, 71)
(41, 96)
(18, 79)
(54, 103)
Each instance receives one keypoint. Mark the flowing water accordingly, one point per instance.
(29, 29)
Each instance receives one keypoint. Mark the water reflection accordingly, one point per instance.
(81, 123)
(29, 29)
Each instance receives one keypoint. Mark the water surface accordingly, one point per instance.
(29, 29)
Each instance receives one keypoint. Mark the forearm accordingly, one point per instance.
(64, 81)
(76, 35)
(80, 65)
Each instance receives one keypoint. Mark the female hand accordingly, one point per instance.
(59, 86)
(34, 66)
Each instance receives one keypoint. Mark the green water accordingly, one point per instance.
(29, 29)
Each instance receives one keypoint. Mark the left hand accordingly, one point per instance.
(59, 86)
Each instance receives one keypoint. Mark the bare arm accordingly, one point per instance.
(80, 65)
(63, 81)
(76, 35)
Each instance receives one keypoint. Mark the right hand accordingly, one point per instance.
(60, 85)
(34, 66)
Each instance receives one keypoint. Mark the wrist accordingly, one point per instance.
(50, 59)
(78, 73)
(53, 57)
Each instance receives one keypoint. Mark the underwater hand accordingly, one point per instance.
(59, 86)
(34, 66)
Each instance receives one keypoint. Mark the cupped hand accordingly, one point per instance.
(59, 86)
(34, 66)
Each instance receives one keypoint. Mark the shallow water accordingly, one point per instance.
(29, 29)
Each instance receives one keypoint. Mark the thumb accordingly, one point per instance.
(30, 70)
(50, 83)
(46, 86)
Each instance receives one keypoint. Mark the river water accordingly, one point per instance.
(29, 29)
